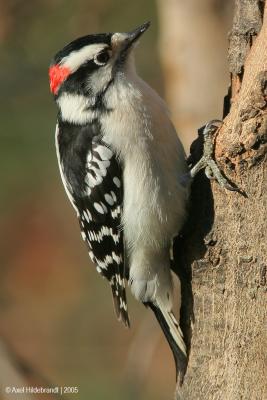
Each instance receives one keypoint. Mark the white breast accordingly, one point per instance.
(140, 130)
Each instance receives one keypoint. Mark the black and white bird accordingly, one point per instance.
(123, 167)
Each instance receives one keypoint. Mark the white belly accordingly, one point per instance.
(153, 160)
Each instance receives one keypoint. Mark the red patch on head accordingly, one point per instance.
(57, 75)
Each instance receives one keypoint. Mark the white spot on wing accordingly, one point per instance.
(105, 231)
(104, 207)
(94, 181)
(99, 208)
(122, 304)
(109, 199)
(116, 258)
(117, 181)
(86, 216)
(103, 264)
(116, 212)
(113, 196)
(102, 167)
(104, 152)
(83, 235)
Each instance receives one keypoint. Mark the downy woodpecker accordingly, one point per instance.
(123, 168)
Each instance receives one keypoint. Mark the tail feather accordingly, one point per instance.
(174, 336)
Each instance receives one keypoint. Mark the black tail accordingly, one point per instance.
(167, 325)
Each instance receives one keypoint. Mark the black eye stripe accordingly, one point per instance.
(88, 64)
(102, 57)
(77, 82)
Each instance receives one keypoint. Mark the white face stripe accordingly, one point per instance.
(74, 108)
(75, 59)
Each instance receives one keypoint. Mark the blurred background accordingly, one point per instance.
(57, 324)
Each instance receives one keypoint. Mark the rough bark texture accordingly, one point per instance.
(223, 251)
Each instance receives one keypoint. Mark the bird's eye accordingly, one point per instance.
(102, 58)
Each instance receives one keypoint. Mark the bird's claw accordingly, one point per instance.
(207, 162)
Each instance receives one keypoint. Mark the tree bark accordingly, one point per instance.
(222, 255)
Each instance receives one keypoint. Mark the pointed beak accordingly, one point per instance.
(134, 35)
(125, 41)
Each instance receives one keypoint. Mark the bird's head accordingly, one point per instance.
(88, 65)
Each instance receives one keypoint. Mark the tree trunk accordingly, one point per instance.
(222, 256)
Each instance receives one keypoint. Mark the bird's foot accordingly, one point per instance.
(207, 161)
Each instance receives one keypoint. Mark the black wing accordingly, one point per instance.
(97, 195)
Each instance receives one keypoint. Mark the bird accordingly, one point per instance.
(123, 168)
